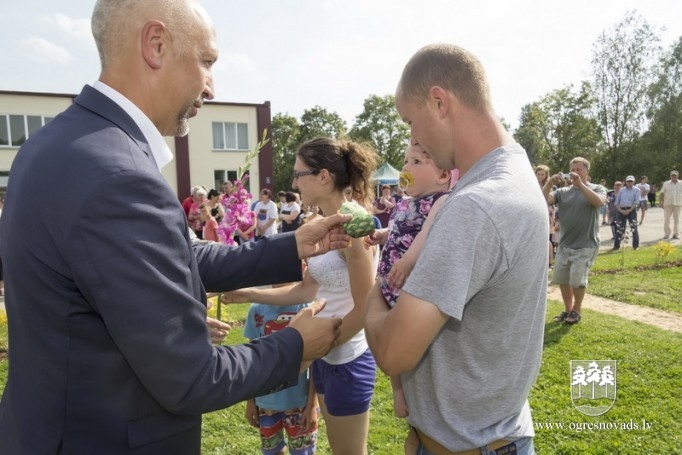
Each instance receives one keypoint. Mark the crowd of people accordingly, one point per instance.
(575, 208)
(231, 217)
(112, 351)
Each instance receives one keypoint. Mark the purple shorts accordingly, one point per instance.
(347, 388)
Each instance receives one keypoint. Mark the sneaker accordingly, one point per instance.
(676, 236)
(666, 237)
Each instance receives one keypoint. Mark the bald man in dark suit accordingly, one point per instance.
(105, 290)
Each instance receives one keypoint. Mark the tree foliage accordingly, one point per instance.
(622, 64)
(626, 120)
(380, 125)
(318, 121)
(663, 141)
(285, 140)
(559, 127)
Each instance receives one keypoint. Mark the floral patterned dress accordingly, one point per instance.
(406, 222)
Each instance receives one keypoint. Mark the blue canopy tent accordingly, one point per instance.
(386, 175)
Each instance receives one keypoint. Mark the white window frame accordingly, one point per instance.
(12, 142)
(230, 136)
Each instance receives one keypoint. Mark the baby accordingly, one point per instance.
(424, 183)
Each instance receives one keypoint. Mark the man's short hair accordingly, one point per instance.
(581, 160)
(448, 66)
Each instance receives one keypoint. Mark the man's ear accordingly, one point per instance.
(439, 98)
(153, 43)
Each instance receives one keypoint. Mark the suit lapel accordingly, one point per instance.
(100, 104)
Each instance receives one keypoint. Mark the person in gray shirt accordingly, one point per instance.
(579, 205)
(476, 297)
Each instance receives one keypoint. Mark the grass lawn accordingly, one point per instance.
(648, 277)
(649, 378)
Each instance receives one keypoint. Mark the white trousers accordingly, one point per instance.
(674, 211)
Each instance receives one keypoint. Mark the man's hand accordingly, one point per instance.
(218, 330)
(321, 235)
(319, 335)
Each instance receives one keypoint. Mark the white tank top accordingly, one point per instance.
(330, 271)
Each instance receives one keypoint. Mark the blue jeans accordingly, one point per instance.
(524, 446)
(630, 218)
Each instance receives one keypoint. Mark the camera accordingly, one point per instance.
(567, 176)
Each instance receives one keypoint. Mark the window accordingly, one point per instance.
(15, 129)
(230, 136)
(220, 176)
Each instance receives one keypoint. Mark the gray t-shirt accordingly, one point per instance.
(484, 263)
(578, 218)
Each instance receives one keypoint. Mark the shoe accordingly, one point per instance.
(676, 236)
(615, 248)
(572, 318)
(666, 237)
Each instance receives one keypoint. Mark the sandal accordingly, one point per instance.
(561, 317)
(573, 318)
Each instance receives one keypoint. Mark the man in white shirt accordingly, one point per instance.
(671, 201)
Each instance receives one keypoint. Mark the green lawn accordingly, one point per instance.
(649, 378)
(643, 277)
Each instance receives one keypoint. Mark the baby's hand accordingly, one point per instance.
(378, 237)
(398, 274)
(233, 297)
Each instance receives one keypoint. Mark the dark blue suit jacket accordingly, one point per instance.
(109, 349)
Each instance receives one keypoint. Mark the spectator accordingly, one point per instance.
(603, 212)
(290, 213)
(266, 215)
(611, 206)
(193, 217)
(627, 200)
(397, 194)
(671, 201)
(191, 199)
(643, 187)
(383, 206)
(210, 225)
(478, 290)
(217, 209)
(579, 208)
(652, 195)
(542, 175)
(228, 189)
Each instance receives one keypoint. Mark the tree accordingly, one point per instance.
(285, 139)
(559, 127)
(664, 138)
(622, 65)
(380, 125)
(318, 121)
(531, 133)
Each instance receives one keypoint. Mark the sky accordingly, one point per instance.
(298, 54)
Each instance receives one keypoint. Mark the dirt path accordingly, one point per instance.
(665, 320)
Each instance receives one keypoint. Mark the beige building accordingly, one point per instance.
(219, 139)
